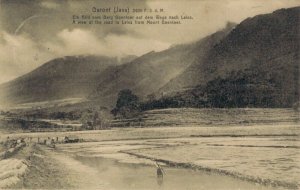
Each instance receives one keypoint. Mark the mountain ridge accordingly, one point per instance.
(146, 74)
(260, 56)
(70, 76)
(262, 52)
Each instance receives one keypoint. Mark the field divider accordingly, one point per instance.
(259, 180)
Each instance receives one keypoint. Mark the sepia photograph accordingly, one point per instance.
(150, 94)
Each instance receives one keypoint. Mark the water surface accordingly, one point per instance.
(119, 176)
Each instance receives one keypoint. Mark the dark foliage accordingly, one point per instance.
(128, 104)
(247, 89)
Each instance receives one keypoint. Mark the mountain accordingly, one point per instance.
(148, 73)
(67, 77)
(256, 64)
(101, 78)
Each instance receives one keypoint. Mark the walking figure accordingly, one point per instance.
(160, 174)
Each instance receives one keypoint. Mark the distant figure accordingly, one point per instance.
(56, 139)
(160, 174)
(66, 139)
(52, 144)
(38, 139)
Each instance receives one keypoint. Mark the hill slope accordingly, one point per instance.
(148, 73)
(256, 64)
(68, 77)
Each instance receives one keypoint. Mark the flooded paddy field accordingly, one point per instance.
(261, 154)
(262, 164)
(120, 175)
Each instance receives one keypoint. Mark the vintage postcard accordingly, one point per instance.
(150, 94)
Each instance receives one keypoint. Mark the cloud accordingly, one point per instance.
(128, 45)
(52, 16)
(19, 54)
(79, 41)
(74, 42)
(33, 31)
(50, 4)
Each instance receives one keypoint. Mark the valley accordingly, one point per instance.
(223, 108)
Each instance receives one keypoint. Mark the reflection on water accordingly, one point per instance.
(160, 180)
(160, 174)
(138, 176)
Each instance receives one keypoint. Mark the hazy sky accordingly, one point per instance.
(35, 31)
